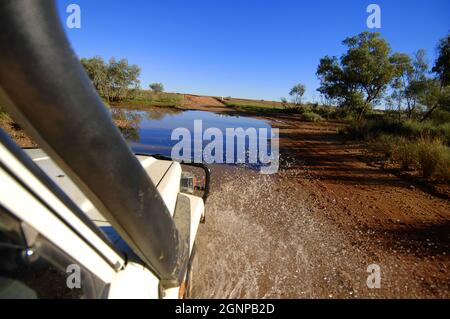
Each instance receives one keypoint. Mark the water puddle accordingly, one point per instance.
(150, 132)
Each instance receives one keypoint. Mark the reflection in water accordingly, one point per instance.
(128, 123)
(150, 131)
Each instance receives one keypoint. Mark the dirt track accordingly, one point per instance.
(202, 103)
(314, 228)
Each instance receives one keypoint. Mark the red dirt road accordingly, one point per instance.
(202, 103)
(314, 228)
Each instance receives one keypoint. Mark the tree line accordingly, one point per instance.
(368, 74)
(369, 71)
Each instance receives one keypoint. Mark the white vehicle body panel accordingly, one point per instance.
(126, 280)
(134, 282)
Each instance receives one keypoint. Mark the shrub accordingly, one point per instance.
(385, 144)
(443, 167)
(377, 126)
(432, 157)
(157, 87)
(399, 149)
(356, 130)
(440, 117)
(327, 112)
(443, 130)
(309, 116)
(405, 153)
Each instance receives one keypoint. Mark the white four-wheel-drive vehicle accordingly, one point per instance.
(82, 216)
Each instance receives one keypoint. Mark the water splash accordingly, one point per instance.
(250, 246)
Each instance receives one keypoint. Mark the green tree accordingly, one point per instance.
(114, 81)
(284, 102)
(403, 71)
(157, 87)
(434, 96)
(359, 79)
(442, 65)
(416, 81)
(437, 92)
(123, 79)
(97, 70)
(297, 93)
(409, 80)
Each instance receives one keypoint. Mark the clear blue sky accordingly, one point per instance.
(244, 48)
